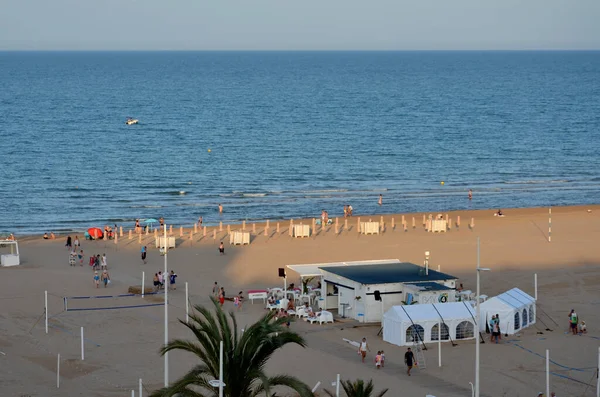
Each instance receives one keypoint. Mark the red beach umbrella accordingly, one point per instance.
(95, 232)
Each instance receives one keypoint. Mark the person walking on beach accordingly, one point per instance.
(573, 320)
(76, 243)
(161, 280)
(103, 262)
(81, 258)
(409, 360)
(96, 279)
(362, 349)
(237, 301)
(222, 296)
(105, 278)
(172, 278)
(380, 202)
(216, 290)
(221, 249)
(156, 282)
(378, 360)
(97, 262)
(144, 254)
(68, 244)
(496, 331)
(200, 221)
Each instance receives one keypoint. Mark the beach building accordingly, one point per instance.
(515, 308)
(404, 325)
(364, 290)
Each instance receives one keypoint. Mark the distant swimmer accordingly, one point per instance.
(380, 202)
(220, 208)
(470, 194)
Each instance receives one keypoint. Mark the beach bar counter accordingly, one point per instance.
(364, 290)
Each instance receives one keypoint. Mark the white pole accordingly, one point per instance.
(221, 369)
(477, 316)
(337, 386)
(82, 356)
(535, 284)
(140, 388)
(187, 304)
(549, 224)
(46, 308)
(143, 282)
(314, 389)
(166, 281)
(598, 376)
(439, 344)
(133, 393)
(58, 372)
(547, 372)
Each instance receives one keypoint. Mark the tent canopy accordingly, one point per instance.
(515, 308)
(427, 312)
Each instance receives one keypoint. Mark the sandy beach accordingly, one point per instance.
(122, 345)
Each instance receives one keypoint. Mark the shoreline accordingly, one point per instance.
(259, 225)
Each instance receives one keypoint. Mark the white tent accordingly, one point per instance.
(404, 324)
(516, 310)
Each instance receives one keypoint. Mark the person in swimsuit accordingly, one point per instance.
(144, 254)
(156, 282)
(105, 278)
(45, 236)
(222, 296)
(221, 249)
(96, 279)
(81, 258)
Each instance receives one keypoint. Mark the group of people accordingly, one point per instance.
(50, 236)
(104, 277)
(495, 328)
(160, 279)
(219, 294)
(347, 211)
(575, 325)
(409, 357)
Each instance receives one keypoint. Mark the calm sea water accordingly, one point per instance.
(291, 133)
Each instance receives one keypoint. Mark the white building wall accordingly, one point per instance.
(373, 309)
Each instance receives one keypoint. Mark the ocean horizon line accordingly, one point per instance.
(337, 51)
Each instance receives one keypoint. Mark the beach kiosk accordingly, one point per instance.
(365, 292)
(12, 258)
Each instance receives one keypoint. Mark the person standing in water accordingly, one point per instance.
(220, 209)
(470, 194)
(380, 202)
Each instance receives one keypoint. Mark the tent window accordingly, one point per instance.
(531, 315)
(465, 330)
(525, 318)
(517, 321)
(413, 331)
(435, 331)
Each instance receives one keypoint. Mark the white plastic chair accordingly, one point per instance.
(325, 317)
(300, 312)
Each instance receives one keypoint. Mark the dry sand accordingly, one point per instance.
(122, 345)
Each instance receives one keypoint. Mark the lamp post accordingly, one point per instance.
(166, 281)
(477, 319)
(426, 263)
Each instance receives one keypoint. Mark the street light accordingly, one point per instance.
(426, 263)
(477, 319)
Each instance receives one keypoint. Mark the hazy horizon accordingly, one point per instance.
(274, 25)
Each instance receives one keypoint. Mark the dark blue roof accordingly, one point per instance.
(431, 286)
(387, 273)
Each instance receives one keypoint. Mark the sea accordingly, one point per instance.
(279, 135)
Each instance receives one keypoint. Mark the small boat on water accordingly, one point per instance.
(131, 121)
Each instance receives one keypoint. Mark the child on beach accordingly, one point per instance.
(172, 278)
(382, 359)
(96, 279)
(221, 249)
(103, 262)
(378, 360)
(222, 296)
(237, 301)
(81, 258)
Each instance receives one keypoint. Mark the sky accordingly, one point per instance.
(299, 24)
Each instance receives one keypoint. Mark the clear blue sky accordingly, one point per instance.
(298, 24)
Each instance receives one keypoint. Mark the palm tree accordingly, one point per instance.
(358, 389)
(244, 356)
